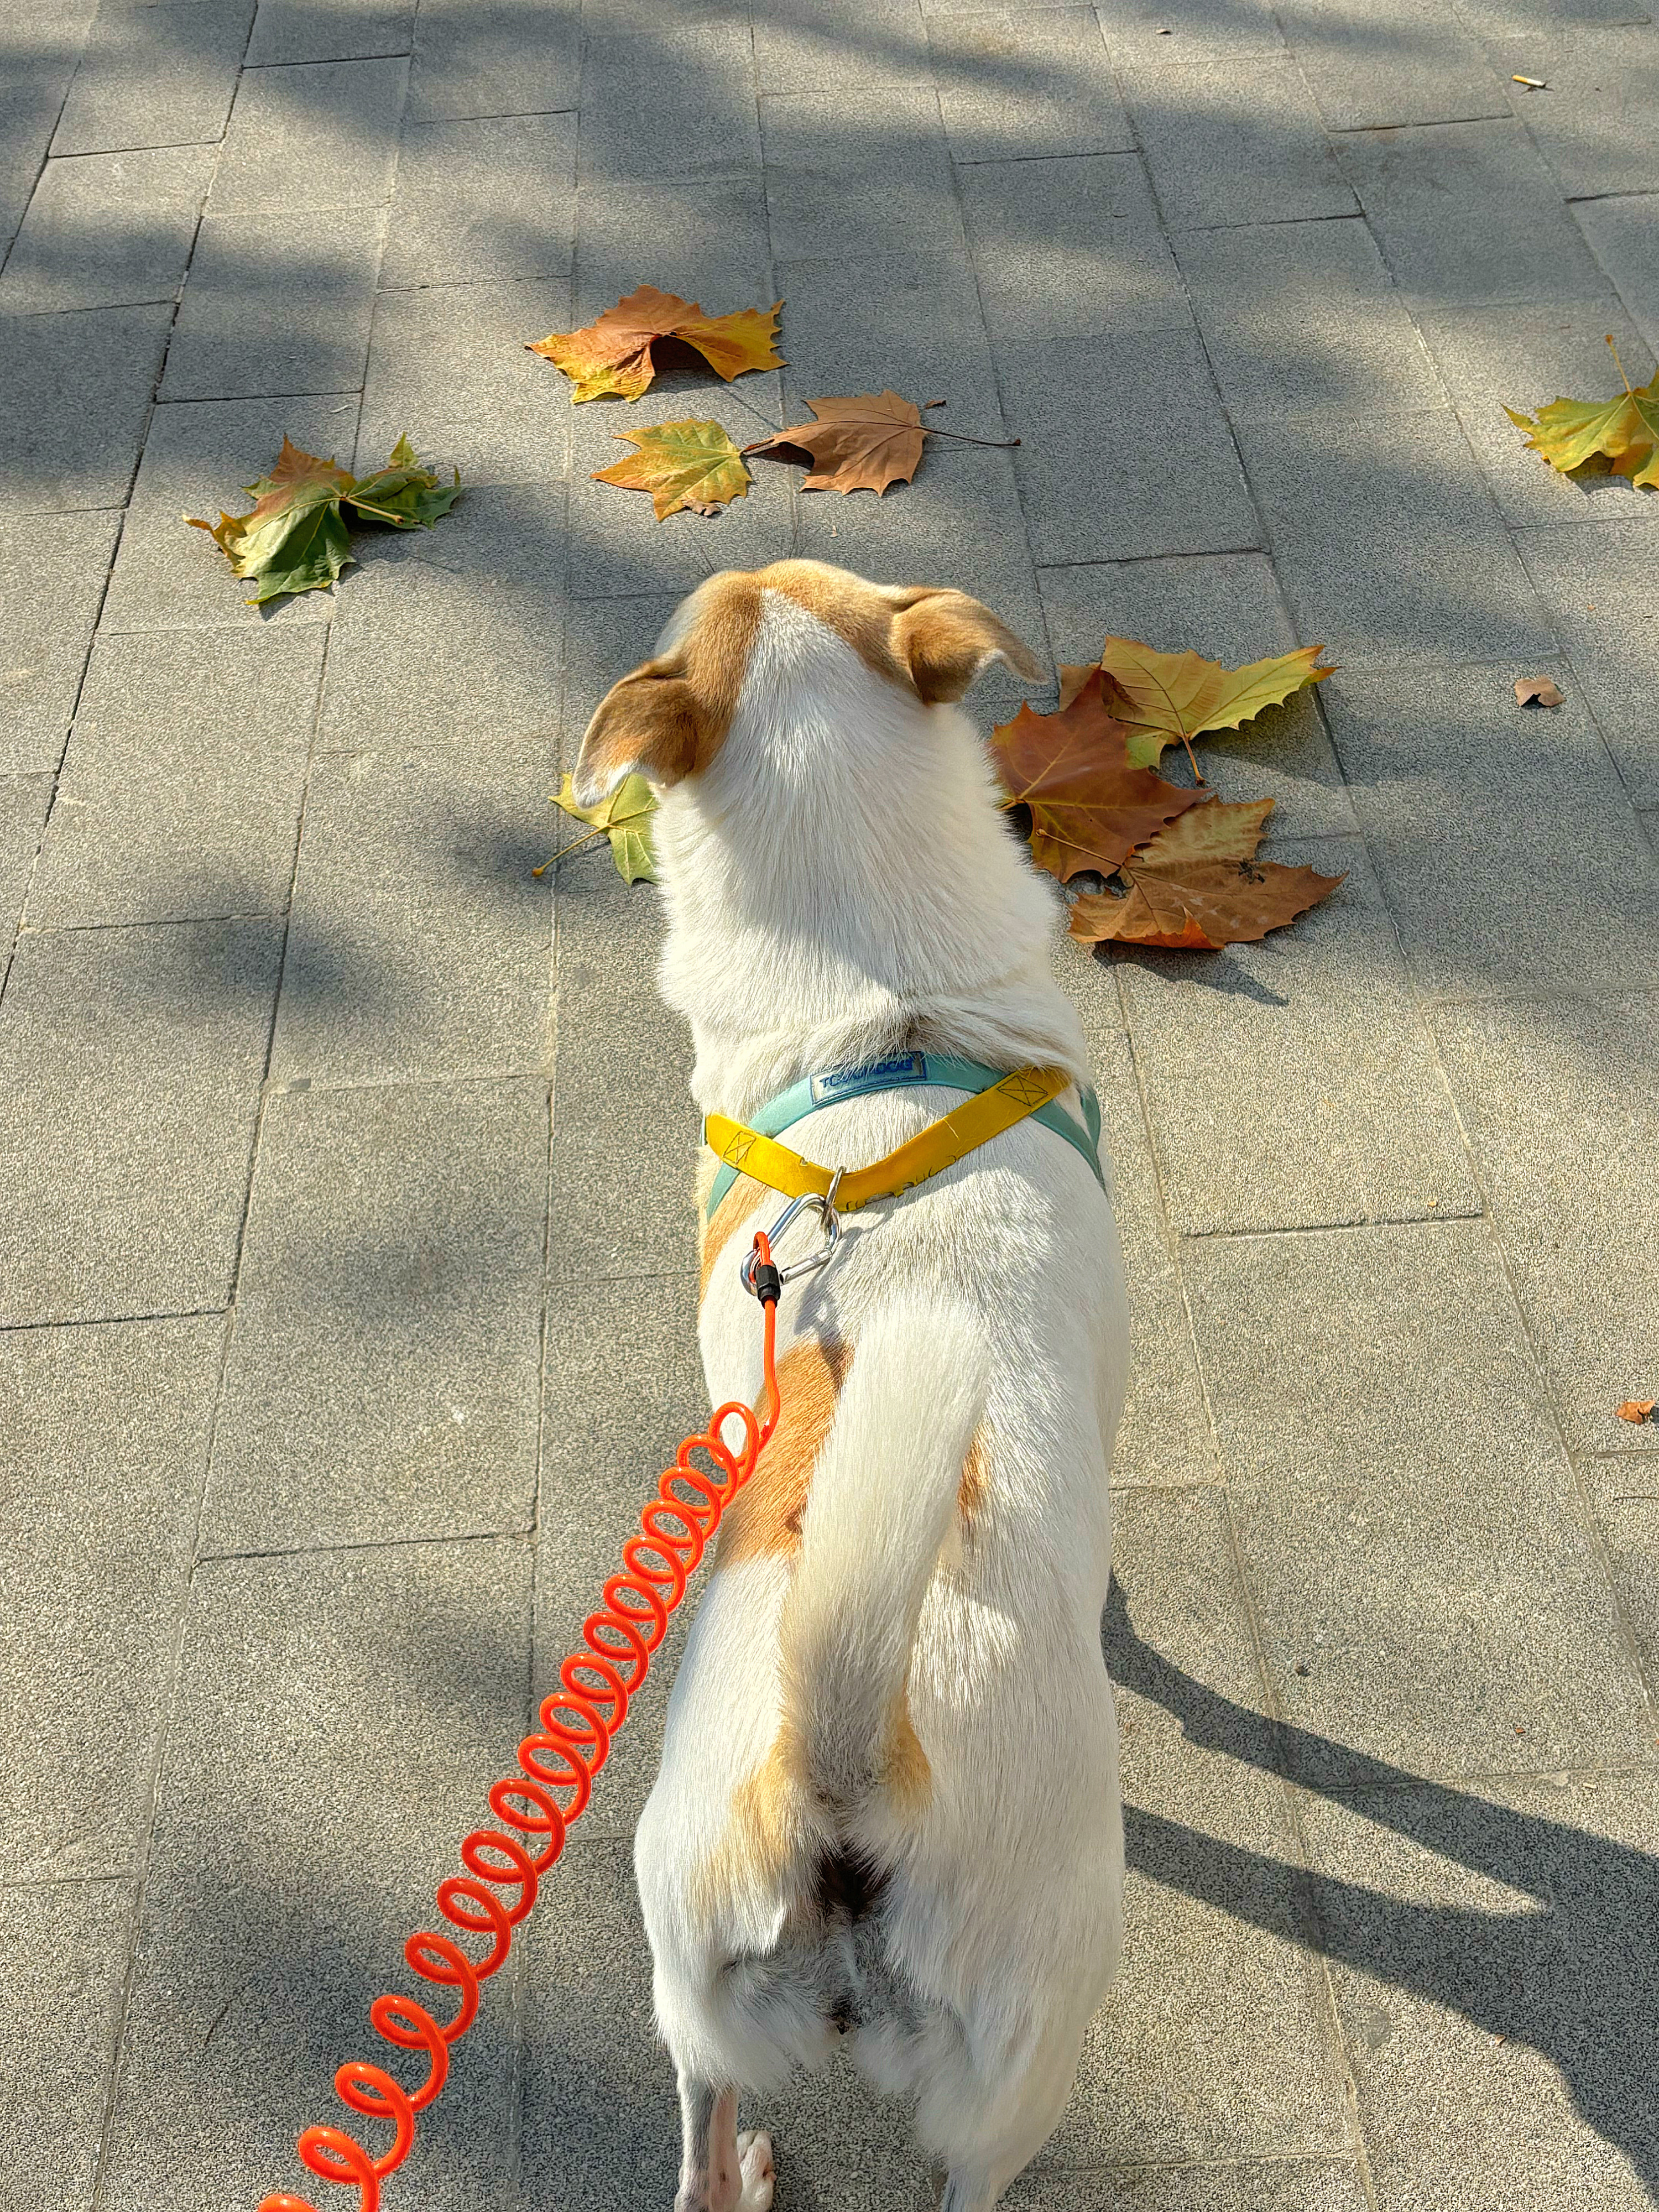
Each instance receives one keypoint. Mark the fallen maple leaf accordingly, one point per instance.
(1541, 689)
(624, 817)
(861, 444)
(1198, 885)
(1636, 1409)
(692, 465)
(1163, 697)
(1625, 432)
(614, 354)
(1089, 807)
(297, 536)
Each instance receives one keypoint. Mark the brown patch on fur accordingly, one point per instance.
(770, 1827)
(907, 1774)
(714, 1235)
(669, 718)
(763, 1521)
(976, 1471)
(944, 638)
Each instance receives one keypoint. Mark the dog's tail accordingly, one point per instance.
(883, 1496)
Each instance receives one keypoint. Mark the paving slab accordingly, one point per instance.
(1174, 2068)
(340, 1716)
(1190, 30)
(1523, 1072)
(1412, 62)
(1471, 809)
(1163, 1435)
(447, 368)
(420, 944)
(1622, 237)
(625, 1132)
(833, 46)
(1298, 318)
(1628, 1509)
(1069, 248)
(180, 795)
(848, 181)
(603, 640)
(104, 1443)
(79, 388)
(1430, 1593)
(1020, 82)
(199, 458)
(1167, 481)
(24, 800)
(1597, 124)
(129, 1070)
(1227, 606)
(1387, 542)
(385, 1379)
(106, 230)
(495, 58)
(67, 1943)
(703, 238)
(1524, 356)
(52, 573)
(601, 2120)
(477, 200)
(319, 134)
(339, 31)
(1291, 1084)
(1595, 583)
(445, 641)
(278, 303)
(154, 76)
(1469, 212)
(1479, 1957)
(1227, 146)
(909, 323)
(37, 68)
(697, 86)
(1255, 2186)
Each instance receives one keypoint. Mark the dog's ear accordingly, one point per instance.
(646, 725)
(945, 639)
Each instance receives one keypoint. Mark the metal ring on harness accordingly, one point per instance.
(823, 1203)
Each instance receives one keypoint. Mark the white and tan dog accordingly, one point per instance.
(888, 1807)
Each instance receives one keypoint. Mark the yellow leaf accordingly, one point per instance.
(624, 817)
(613, 355)
(691, 465)
(1623, 432)
(1165, 697)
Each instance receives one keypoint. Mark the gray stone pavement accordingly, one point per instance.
(346, 1253)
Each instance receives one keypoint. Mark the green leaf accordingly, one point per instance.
(625, 818)
(404, 493)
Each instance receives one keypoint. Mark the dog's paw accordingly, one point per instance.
(755, 2164)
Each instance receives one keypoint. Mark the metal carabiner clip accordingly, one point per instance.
(823, 1203)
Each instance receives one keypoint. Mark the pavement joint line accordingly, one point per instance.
(114, 1321)
(368, 1544)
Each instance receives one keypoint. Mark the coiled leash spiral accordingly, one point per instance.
(557, 1764)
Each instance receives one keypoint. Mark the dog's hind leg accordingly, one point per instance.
(969, 2191)
(719, 2170)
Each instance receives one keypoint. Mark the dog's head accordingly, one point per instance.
(668, 720)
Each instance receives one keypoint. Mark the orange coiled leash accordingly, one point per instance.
(595, 1684)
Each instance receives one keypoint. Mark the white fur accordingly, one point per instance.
(839, 885)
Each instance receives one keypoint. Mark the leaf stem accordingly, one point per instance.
(574, 846)
(964, 439)
(1619, 365)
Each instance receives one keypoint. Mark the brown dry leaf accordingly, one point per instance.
(1163, 697)
(614, 354)
(1636, 1409)
(689, 464)
(861, 444)
(1089, 807)
(1541, 689)
(1198, 886)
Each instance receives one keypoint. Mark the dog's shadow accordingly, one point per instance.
(1572, 1978)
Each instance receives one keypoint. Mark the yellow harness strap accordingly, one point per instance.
(941, 1145)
